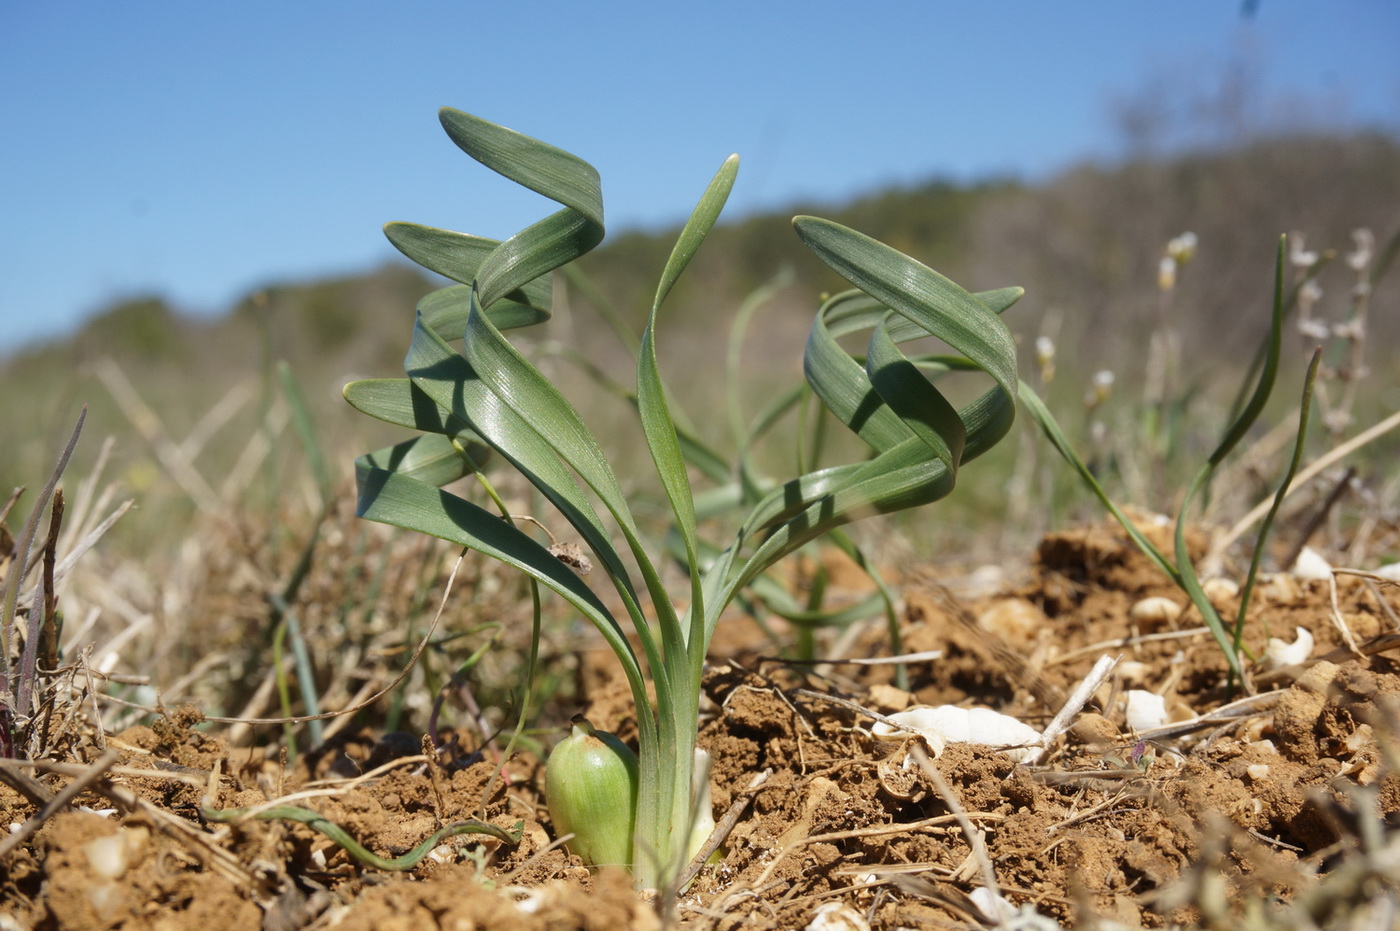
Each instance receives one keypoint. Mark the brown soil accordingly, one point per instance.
(1263, 808)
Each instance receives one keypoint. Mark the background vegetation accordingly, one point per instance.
(199, 415)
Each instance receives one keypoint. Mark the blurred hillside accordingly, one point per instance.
(1085, 246)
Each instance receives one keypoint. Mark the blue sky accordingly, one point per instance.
(200, 150)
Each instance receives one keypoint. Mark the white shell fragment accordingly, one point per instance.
(992, 906)
(107, 856)
(1279, 653)
(1310, 566)
(837, 916)
(1156, 610)
(1004, 915)
(1146, 710)
(1389, 571)
(1220, 589)
(949, 724)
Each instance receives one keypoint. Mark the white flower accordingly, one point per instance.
(1310, 293)
(1183, 247)
(1102, 386)
(1045, 358)
(1365, 249)
(1166, 273)
(1313, 329)
(1352, 329)
(1298, 255)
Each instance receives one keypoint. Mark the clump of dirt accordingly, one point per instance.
(1234, 796)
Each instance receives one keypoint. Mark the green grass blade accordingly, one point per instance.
(459, 256)
(657, 424)
(1290, 303)
(1051, 428)
(447, 309)
(450, 381)
(900, 478)
(843, 385)
(1260, 396)
(917, 292)
(1304, 410)
(915, 462)
(400, 401)
(1191, 583)
(535, 251)
(306, 431)
(390, 498)
(518, 387)
(449, 253)
(432, 458)
(543, 168)
(666, 827)
(911, 397)
(695, 450)
(697, 227)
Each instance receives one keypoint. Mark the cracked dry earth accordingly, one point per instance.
(1262, 805)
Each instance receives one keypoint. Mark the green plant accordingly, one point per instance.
(739, 484)
(489, 397)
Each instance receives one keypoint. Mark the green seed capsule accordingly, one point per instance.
(591, 786)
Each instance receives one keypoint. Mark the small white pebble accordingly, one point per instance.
(1220, 589)
(1310, 566)
(1146, 710)
(1132, 672)
(107, 856)
(1158, 610)
(1258, 771)
(105, 898)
